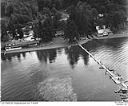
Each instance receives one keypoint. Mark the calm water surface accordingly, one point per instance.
(22, 72)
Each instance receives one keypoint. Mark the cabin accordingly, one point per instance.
(103, 31)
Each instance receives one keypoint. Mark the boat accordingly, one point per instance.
(101, 68)
(12, 48)
(116, 80)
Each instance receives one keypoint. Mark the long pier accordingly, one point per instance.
(117, 79)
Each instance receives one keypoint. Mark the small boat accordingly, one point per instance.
(112, 70)
(122, 91)
(116, 80)
(12, 48)
(101, 68)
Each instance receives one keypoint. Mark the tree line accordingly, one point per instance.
(46, 14)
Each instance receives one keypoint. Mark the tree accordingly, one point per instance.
(20, 32)
(39, 29)
(115, 16)
(83, 16)
(3, 9)
(21, 11)
(4, 36)
(44, 29)
(71, 31)
(36, 30)
(81, 22)
(73, 54)
(11, 27)
(9, 10)
(44, 3)
(48, 31)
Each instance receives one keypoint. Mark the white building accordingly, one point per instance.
(103, 31)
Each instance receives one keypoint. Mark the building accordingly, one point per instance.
(103, 31)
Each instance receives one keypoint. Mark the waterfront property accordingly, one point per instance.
(64, 50)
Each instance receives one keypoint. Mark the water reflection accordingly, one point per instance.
(59, 51)
(7, 57)
(45, 55)
(42, 55)
(52, 55)
(113, 44)
(12, 55)
(19, 57)
(22, 72)
(23, 54)
(73, 55)
(49, 56)
(85, 57)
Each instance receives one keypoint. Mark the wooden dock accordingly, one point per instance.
(117, 79)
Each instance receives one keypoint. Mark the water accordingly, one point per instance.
(23, 73)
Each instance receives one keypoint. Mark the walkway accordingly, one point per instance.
(115, 77)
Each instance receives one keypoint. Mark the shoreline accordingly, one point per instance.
(61, 45)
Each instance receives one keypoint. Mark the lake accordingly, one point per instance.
(48, 74)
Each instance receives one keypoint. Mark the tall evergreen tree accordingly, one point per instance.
(71, 31)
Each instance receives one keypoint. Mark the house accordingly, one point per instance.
(103, 31)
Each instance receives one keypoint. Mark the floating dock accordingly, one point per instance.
(117, 79)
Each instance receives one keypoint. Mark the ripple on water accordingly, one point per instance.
(56, 89)
(29, 73)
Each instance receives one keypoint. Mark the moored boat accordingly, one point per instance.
(12, 48)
